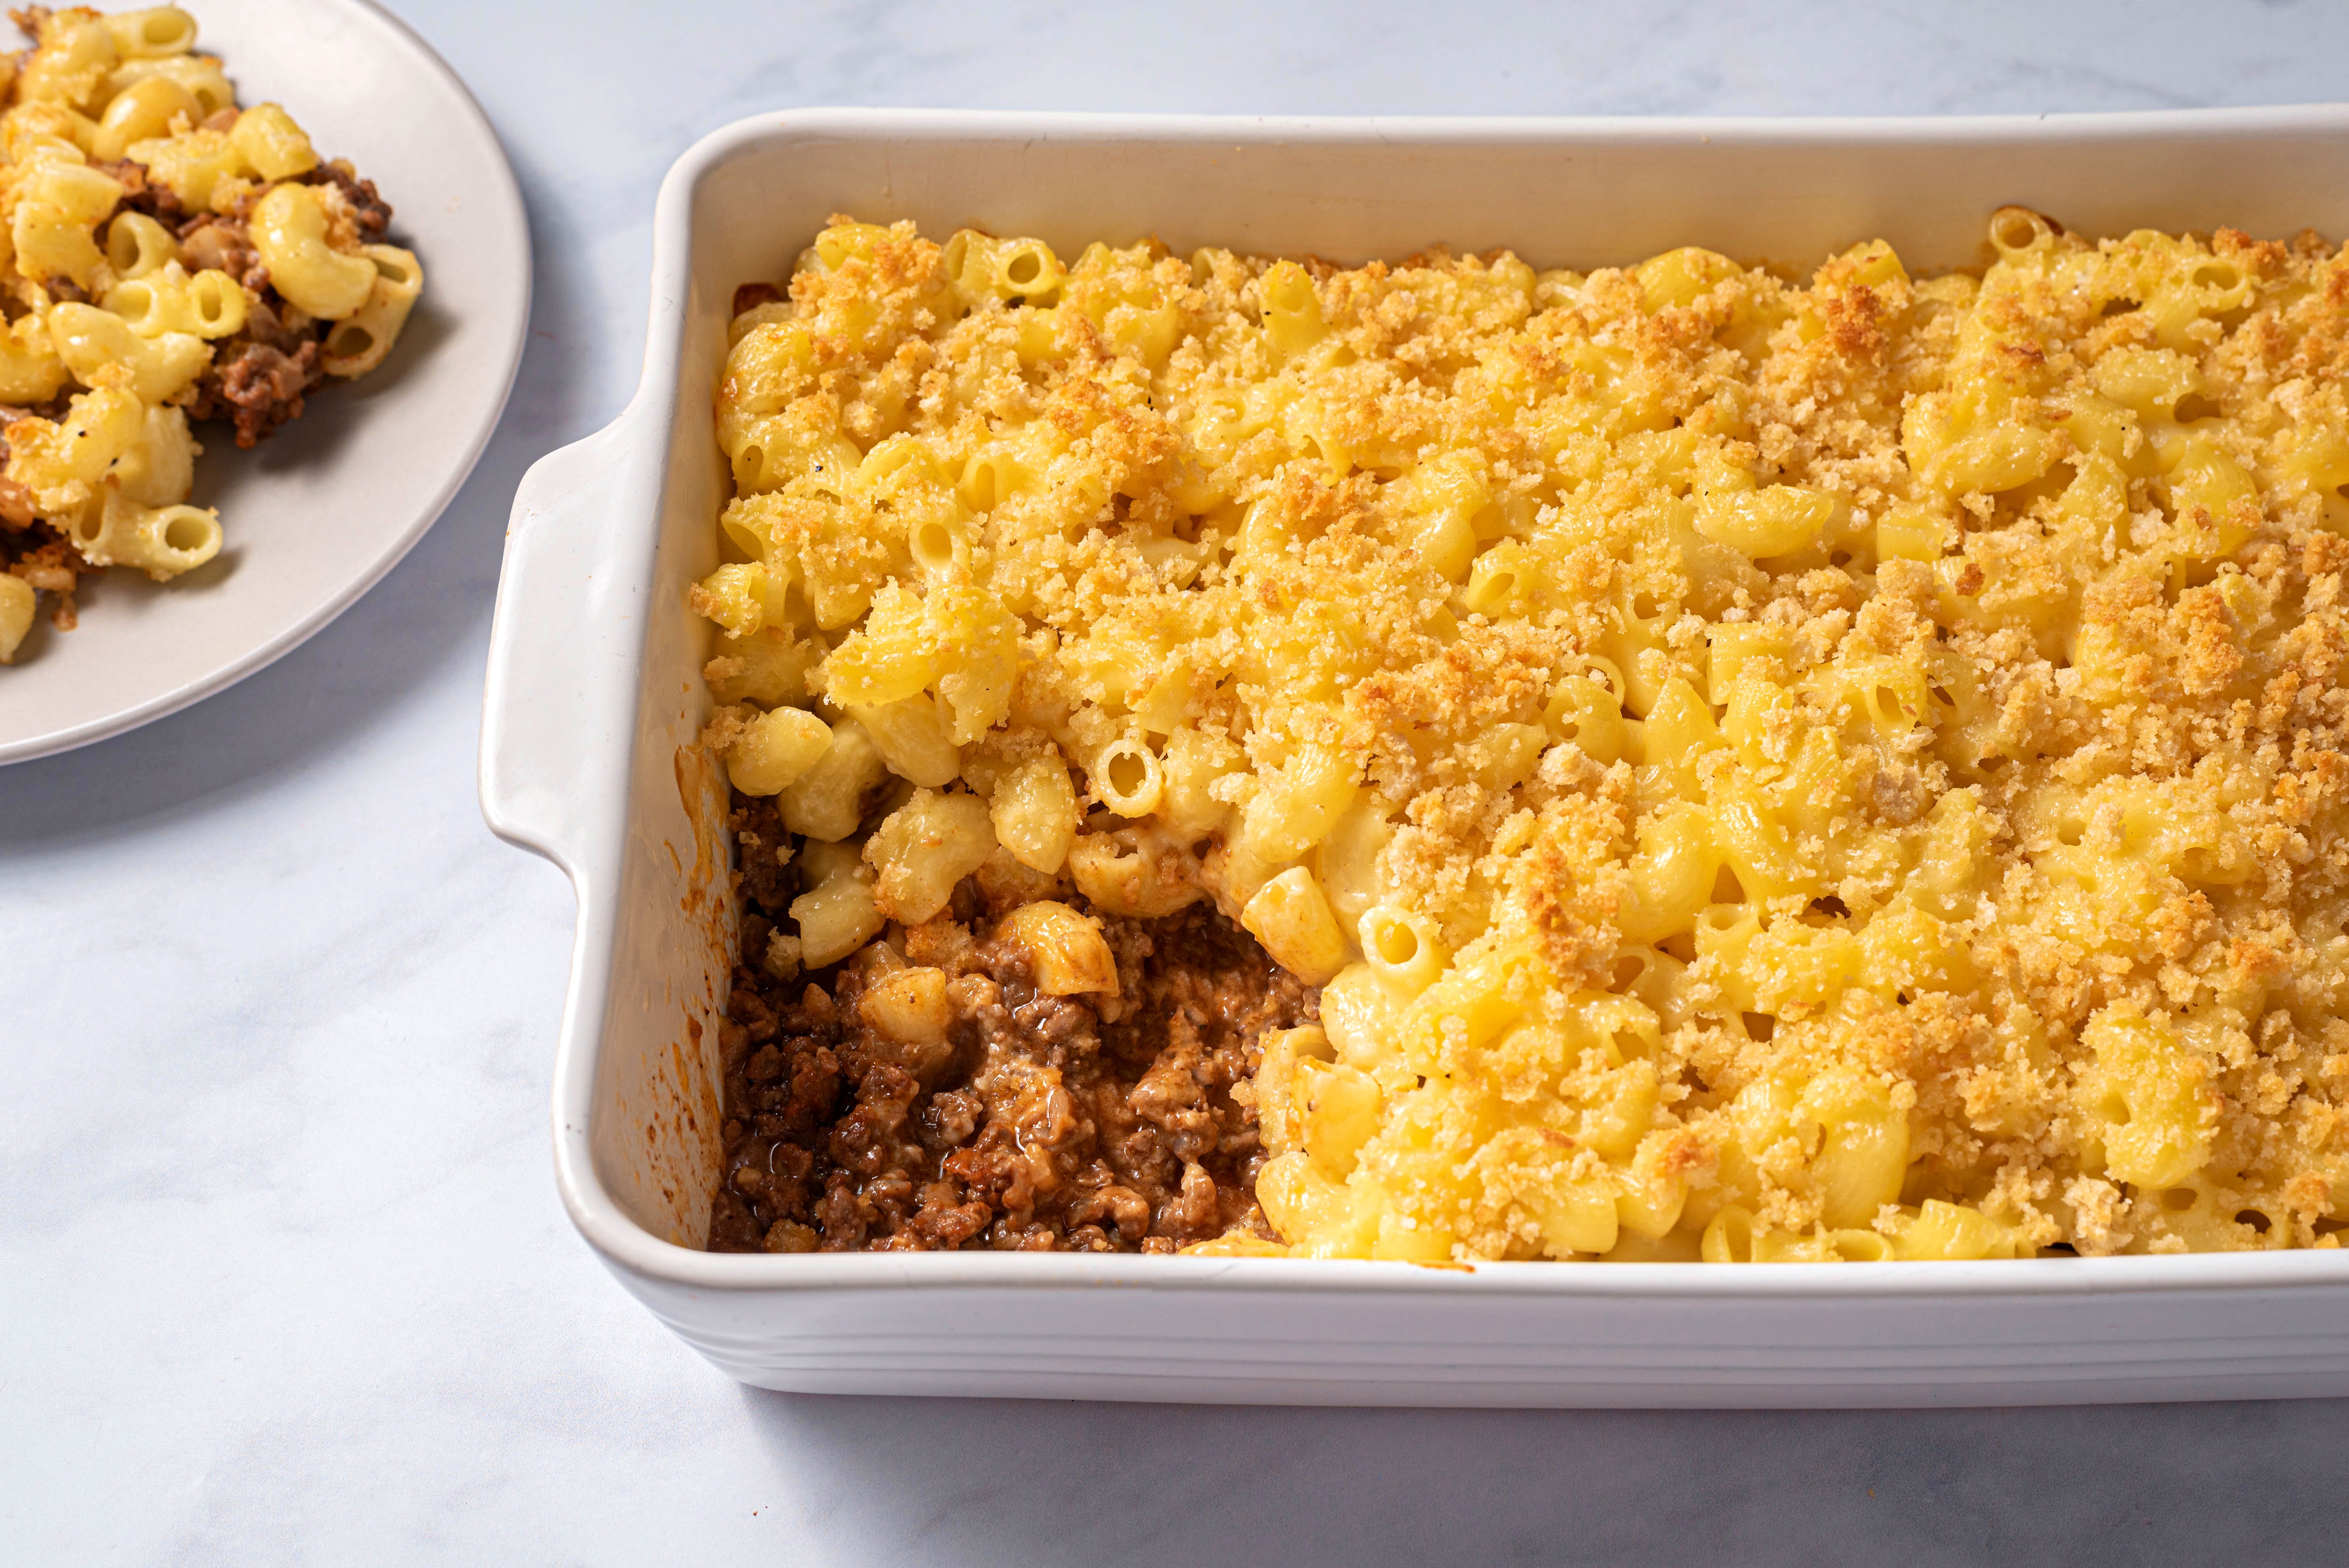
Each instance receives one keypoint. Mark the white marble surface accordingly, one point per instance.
(282, 1275)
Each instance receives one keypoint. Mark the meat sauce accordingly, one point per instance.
(1039, 1122)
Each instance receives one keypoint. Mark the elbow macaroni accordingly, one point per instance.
(164, 255)
(289, 231)
(1760, 770)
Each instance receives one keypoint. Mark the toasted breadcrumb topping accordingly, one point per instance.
(1834, 767)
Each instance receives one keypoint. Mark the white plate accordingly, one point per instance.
(317, 513)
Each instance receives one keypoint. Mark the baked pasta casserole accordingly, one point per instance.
(165, 256)
(1447, 761)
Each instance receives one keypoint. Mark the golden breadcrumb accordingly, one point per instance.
(1759, 768)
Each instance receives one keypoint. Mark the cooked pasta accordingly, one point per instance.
(165, 257)
(1758, 767)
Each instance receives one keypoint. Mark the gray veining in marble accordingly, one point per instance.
(282, 1275)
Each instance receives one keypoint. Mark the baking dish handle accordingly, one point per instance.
(558, 686)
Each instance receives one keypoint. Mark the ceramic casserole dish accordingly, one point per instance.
(594, 701)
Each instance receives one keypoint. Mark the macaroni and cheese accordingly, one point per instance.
(165, 257)
(1729, 766)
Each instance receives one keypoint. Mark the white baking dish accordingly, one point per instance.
(593, 697)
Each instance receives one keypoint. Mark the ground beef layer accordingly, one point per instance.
(1041, 1123)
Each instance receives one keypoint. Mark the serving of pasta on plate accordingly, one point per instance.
(167, 259)
(1449, 761)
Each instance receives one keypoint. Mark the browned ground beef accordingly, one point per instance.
(259, 386)
(367, 206)
(218, 243)
(140, 194)
(1036, 1125)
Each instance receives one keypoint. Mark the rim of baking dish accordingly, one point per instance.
(626, 1245)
